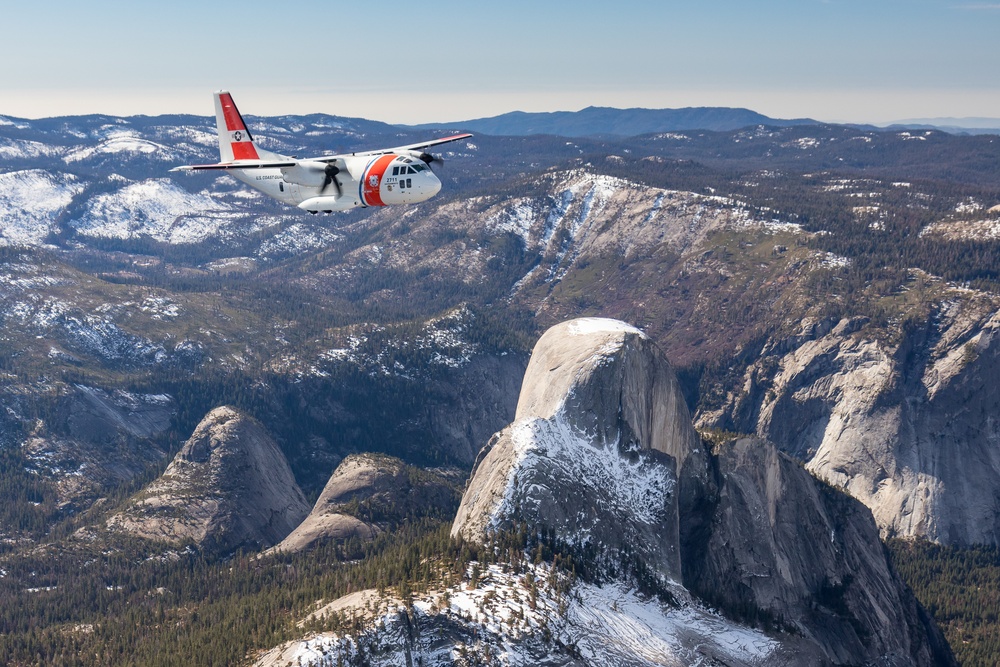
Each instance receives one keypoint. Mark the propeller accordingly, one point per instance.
(330, 172)
(431, 159)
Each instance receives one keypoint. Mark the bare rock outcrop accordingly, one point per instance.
(367, 493)
(603, 455)
(771, 544)
(228, 487)
(92, 439)
(908, 427)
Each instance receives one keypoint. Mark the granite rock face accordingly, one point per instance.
(600, 435)
(773, 545)
(603, 455)
(909, 427)
(91, 440)
(228, 487)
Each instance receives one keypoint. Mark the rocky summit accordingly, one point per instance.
(581, 373)
(228, 487)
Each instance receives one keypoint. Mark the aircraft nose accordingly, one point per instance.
(433, 184)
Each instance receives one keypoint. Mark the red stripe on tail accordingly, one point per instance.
(233, 119)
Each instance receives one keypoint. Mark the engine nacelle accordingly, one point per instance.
(312, 174)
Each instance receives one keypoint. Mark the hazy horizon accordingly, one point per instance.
(447, 61)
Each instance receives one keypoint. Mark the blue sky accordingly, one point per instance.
(412, 61)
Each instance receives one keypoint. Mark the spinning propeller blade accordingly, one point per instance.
(331, 170)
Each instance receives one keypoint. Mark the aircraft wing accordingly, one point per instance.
(264, 164)
(242, 164)
(397, 149)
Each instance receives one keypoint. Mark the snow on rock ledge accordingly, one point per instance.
(595, 625)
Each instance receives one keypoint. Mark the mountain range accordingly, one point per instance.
(172, 346)
(606, 121)
(612, 122)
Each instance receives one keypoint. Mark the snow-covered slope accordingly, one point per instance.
(30, 204)
(127, 143)
(157, 208)
(500, 622)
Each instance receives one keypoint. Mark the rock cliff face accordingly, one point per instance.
(473, 403)
(603, 454)
(229, 486)
(91, 440)
(771, 543)
(908, 427)
(366, 493)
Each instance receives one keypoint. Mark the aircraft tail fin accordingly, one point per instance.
(235, 140)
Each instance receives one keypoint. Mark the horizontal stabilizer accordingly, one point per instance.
(246, 164)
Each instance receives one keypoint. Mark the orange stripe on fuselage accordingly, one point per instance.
(371, 183)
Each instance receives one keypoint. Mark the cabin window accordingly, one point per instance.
(281, 186)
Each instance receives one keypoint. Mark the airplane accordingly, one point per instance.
(400, 175)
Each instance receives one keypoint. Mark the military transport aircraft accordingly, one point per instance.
(400, 175)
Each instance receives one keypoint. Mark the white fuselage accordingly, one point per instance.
(378, 180)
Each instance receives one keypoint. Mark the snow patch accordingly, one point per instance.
(518, 219)
(828, 260)
(638, 488)
(586, 326)
(122, 142)
(609, 624)
(297, 239)
(804, 143)
(12, 149)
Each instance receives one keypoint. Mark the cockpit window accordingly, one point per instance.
(418, 167)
